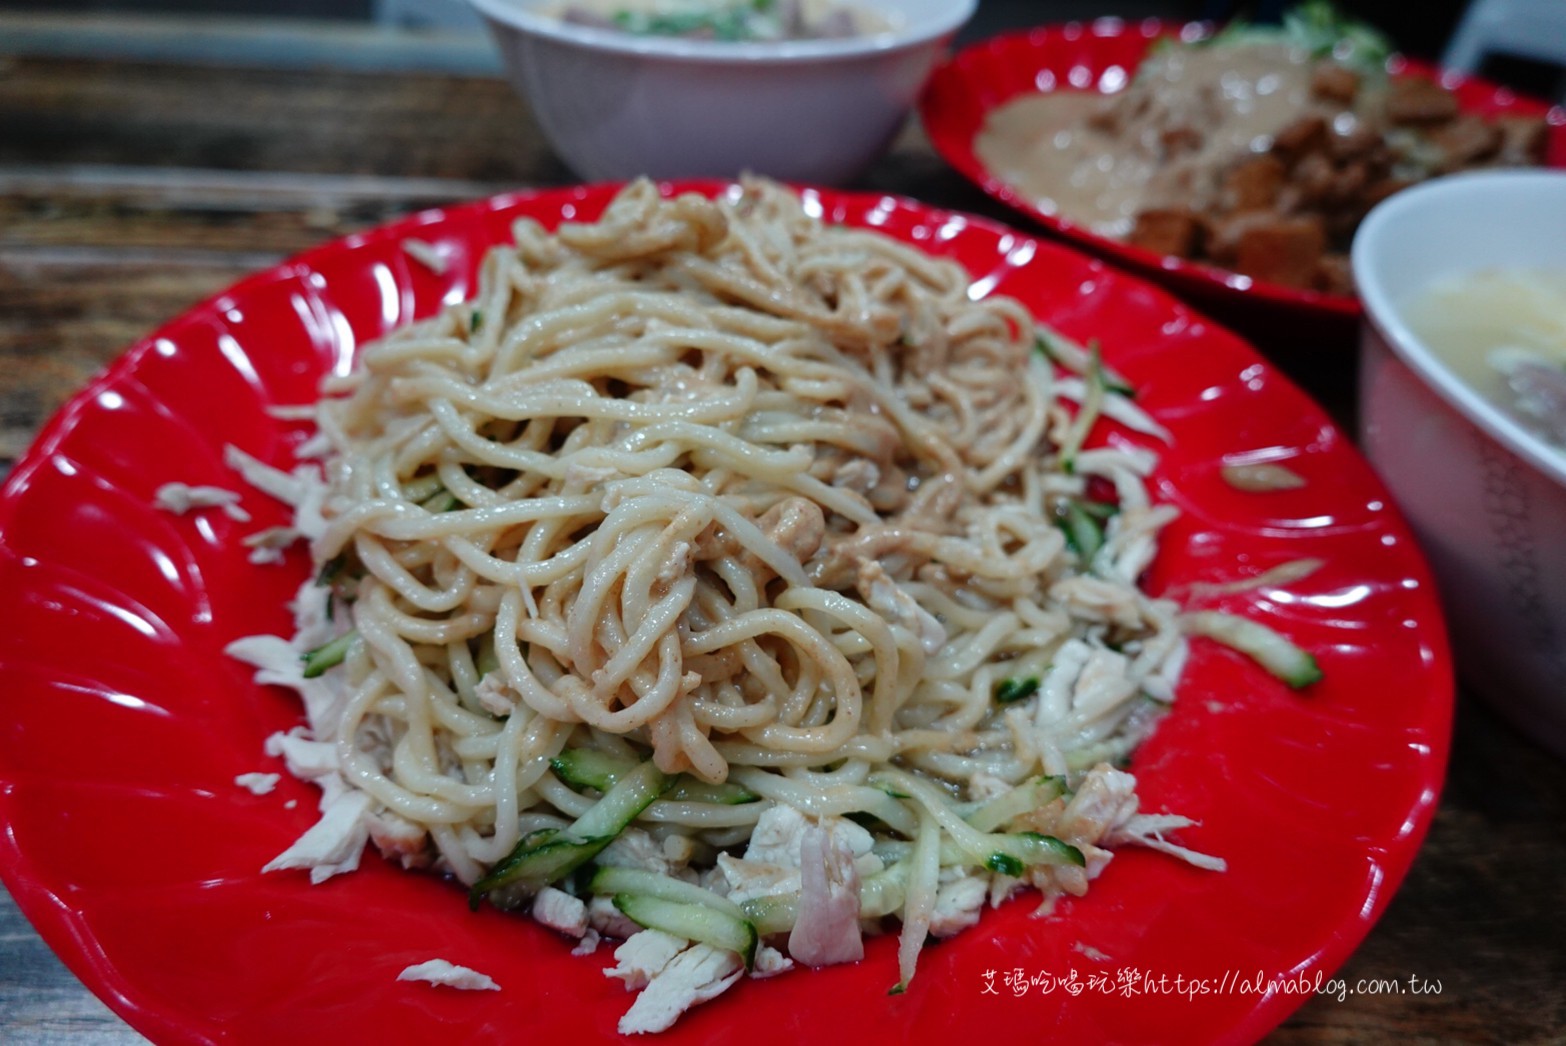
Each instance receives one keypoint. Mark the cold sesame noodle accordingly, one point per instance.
(772, 520)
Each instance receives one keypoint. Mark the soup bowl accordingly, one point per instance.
(615, 105)
(1484, 493)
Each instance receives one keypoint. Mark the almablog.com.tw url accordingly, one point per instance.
(1130, 982)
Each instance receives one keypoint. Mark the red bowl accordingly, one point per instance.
(1101, 56)
(126, 841)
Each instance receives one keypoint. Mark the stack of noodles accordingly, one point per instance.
(731, 582)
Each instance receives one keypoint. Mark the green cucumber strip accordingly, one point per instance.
(1019, 849)
(1112, 381)
(442, 500)
(1261, 644)
(621, 804)
(328, 655)
(1084, 533)
(610, 879)
(1087, 411)
(688, 789)
(884, 892)
(1025, 798)
(331, 568)
(1009, 691)
(694, 922)
(540, 858)
(589, 768)
(422, 488)
(772, 914)
(485, 660)
(1005, 864)
(969, 845)
(1034, 848)
(1114, 751)
(1059, 349)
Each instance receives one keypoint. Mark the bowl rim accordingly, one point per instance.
(946, 17)
(1385, 315)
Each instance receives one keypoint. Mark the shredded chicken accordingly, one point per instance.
(427, 255)
(495, 695)
(333, 844)
(180, 498)
(634, 848)
(883, 595)
(561, 912)
(642, 956)
(698, 973)
(958, 904)
(258, 783)
(448, 975)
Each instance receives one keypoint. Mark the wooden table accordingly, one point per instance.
(130, 191)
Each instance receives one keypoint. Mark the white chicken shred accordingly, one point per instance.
(693, 975)
(447, 974)
(180, 498)
(258, 783)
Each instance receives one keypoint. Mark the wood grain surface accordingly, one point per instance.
(128, 192)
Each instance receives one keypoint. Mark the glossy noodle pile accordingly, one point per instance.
(751, 558)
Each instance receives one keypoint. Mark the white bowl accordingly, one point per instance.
(1486, 497)
(615, 105)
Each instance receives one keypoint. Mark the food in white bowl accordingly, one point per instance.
(1469, 458)
(732, 20)
(1504, 332)
(617, 104)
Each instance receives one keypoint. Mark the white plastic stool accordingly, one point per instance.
(1534, 29)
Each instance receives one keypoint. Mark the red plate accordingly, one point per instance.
(1101, 56)
(129, 846)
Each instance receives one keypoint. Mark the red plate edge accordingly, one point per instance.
(69, 934)
(983, 75)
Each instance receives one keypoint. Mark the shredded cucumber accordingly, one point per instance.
(612, 880)
(1008, 691)
(543, 857)
(328, 655)
(1088, 411)
(1024, 798)
(694, 922)
(590, 768)
(1268, 648)
(969, 845)
(1084, 533)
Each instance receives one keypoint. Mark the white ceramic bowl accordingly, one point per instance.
(615, 106)
(1486, 497)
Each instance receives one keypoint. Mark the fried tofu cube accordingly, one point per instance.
(1253, 184)
(1415, 100)
(1284, 251)
(1361, 142)
(1312, 178)
(1308, 134)
(1176, 231)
